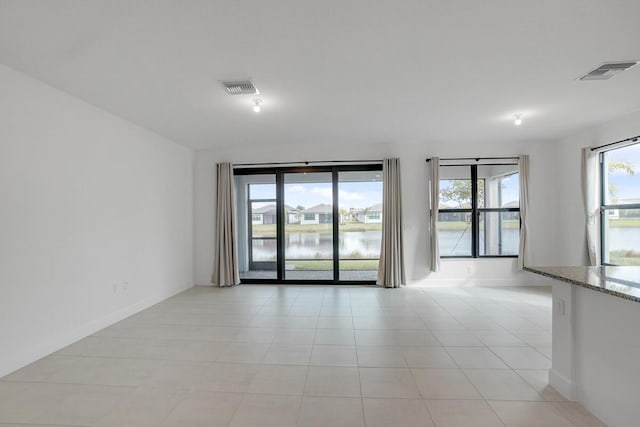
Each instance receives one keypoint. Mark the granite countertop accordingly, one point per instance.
(619, 281)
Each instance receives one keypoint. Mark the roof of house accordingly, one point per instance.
(265, 209)
(321, 208)
(376, 208)
(271, 209)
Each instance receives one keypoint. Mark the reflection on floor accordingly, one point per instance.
(307, 356)
(346, 275)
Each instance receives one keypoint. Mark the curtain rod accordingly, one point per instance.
(478, 158)
(632, 139)
(307, 163)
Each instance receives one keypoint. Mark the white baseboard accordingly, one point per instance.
(563, 385)
(453, 283)
(470, 283)
(24, 357)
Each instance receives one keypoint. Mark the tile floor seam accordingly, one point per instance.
(364, 418)
(235, 411)
(474, 386)
(70, 384)
(304, 387)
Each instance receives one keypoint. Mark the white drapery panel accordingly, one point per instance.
(391, 265)
(434, 202)
(591, 202)
(523, 250)
(225, 261)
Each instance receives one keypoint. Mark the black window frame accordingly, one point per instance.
(476, 212)
(265, 265)
(604, 207)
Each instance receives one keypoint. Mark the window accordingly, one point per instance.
(620, 205)
(373, 215)
(309, 217)
(255, 218)
(479, 212)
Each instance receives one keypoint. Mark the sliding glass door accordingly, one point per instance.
(257, 225)
(309, 225)
(360, 225)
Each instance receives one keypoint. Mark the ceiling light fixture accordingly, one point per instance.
(256, 106)
(517, 119)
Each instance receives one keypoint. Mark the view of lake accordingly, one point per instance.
(458, 242)
(623, 238)
(366, 244)
(353, 244)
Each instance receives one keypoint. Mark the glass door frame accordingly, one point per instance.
(279, 173)
(250, 237)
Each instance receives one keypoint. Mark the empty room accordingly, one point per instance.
(337, 213)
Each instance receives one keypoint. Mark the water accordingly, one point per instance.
(458, 242)
(366, 244)
(352, 244)
(623, 238)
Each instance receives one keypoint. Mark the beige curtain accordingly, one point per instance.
(523, 252)
(391, 266)
(591, 202)
(225, 261)
(434, 201)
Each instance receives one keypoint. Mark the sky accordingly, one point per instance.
(357, 195)
(510, 188)
(627, 186)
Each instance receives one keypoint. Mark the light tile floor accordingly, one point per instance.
(306, 356)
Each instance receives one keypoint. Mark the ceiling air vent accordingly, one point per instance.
(240, 87)
(608, 70)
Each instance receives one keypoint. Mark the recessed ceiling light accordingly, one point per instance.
(256, 105)
(517, 119)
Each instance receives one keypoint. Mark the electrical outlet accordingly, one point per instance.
(560, 307)
(115, 288)
(125, 286)
(468, 269)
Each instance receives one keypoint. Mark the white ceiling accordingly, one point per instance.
(334, 71)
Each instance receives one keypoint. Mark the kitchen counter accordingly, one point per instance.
(595, 339)
(619, 281)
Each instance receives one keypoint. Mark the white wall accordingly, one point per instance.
(490, 272)
(95, 219)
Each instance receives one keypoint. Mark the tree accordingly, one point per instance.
(343, 215)
(613, 166)
(460, 192)
(299, 208)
